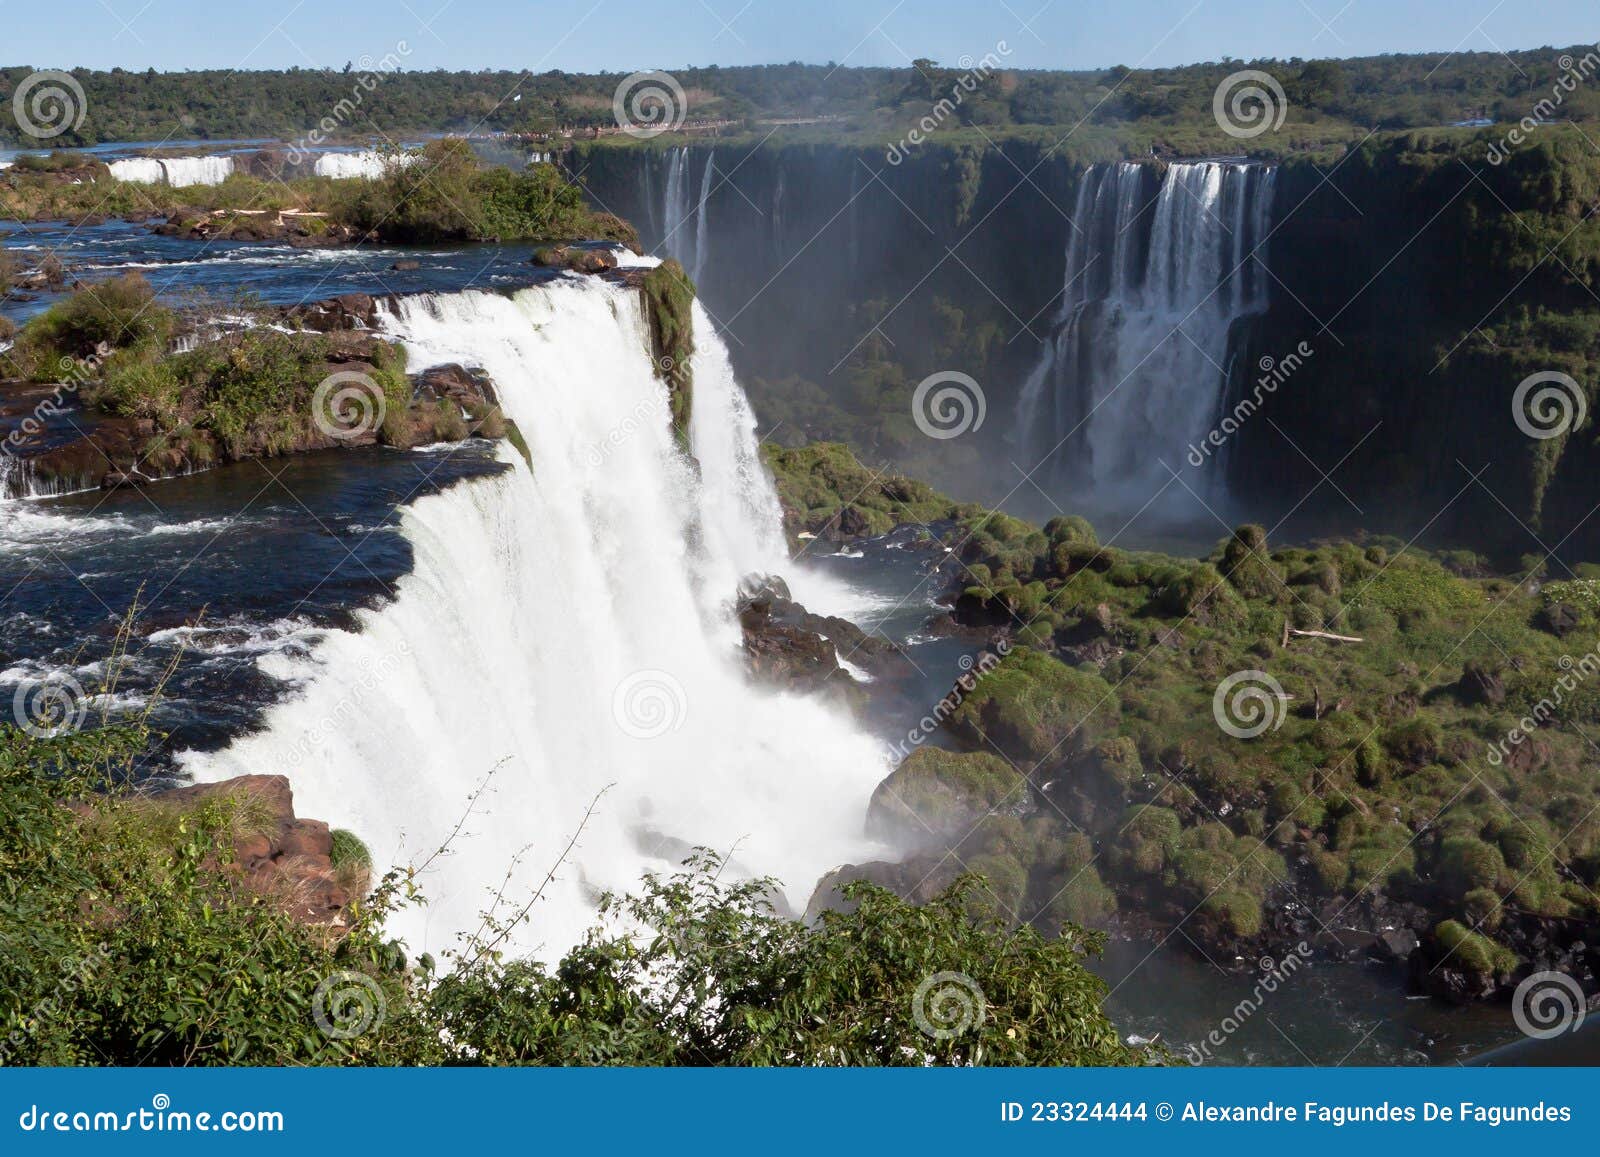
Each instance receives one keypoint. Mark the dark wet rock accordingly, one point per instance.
(918, 878)
(466, 387)
(347, 311)
(1560, 619)
(1479, 685)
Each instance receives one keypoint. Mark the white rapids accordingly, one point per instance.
(570, 628)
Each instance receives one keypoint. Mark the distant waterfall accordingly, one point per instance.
(685, 229)
(178, 172)
(571, 625)
(368, 166)
(1159, 267)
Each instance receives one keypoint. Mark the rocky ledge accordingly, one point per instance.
(312, 872)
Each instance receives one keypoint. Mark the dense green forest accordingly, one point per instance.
(1326, 96)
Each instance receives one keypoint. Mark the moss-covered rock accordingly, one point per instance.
(669, 311)
(1037, 711)
(936, 797)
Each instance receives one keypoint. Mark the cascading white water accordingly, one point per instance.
(138, 170)
(1157, 273)
(365, 165)
(675, 239)
(685, 229)
(175, 171)
(571, 624)
(183, 171)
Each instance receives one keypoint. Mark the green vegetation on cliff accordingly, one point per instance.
(669, 311)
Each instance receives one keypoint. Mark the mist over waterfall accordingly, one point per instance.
(570, 628)
(1160, 266)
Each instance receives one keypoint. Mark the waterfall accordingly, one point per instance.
(175, 171)
(368, 165)
(572, 624)
(674, 210)
(1159, 266)
(702, 235)
(138, 170)
(182, 171)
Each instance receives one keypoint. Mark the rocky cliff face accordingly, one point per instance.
(1427, 283)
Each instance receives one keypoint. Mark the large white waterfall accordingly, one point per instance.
(1159, 267)
(569, 627)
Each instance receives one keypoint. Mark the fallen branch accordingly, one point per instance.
(1322, 635)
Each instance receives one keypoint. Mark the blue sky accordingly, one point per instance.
(594, 35)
